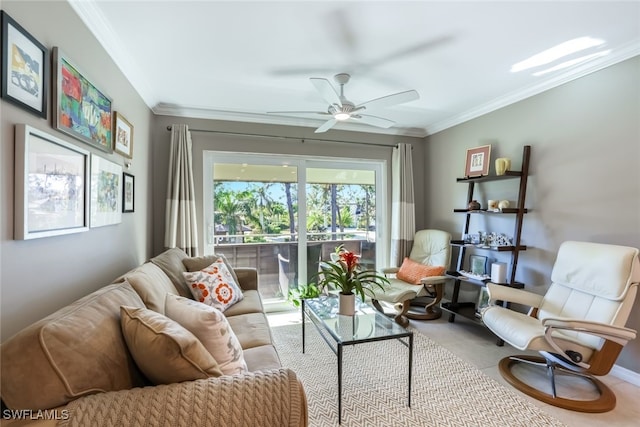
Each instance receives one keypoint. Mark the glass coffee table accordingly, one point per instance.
(367, 325)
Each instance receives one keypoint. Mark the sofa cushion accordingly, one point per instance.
(199, 263)
(170, 261)
(251, 329)
(211, 328)
(214, 286)
(163, 350)
(152, 284)
(77, 350)
(262, 358)
(251, 303)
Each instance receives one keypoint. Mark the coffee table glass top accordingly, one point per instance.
(368, 324)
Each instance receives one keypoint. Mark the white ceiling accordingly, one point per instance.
(237, 60)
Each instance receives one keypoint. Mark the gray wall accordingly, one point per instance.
(41, 275)
(584, 181)
(203, 141)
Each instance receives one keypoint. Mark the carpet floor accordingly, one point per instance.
(446, 390)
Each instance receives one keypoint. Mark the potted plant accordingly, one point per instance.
(345, 273)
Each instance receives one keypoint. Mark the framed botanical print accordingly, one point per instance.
(81, 109)
(122, 136)
(106, 192)
(128, 192)
(25, 68)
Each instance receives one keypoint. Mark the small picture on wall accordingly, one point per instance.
(128, 192)
(122, 136)
(106, 188)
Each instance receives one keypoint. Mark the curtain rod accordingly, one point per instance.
(288, 137)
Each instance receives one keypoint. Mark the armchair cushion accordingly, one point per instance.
(412, 272)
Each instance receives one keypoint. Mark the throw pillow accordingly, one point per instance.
(412, 271)
(165, 352)
(211, 327)
(214, 286)
(200, 262)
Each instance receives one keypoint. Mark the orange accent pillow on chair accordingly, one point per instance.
(413, 272)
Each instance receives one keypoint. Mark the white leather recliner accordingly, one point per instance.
(578, 326)
(431, 248)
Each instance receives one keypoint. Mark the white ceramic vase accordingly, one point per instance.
(347, 304)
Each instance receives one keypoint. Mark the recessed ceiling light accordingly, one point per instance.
(557, 52)
(572, 62)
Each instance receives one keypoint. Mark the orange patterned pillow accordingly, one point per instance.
(214, 286)
(412, 271)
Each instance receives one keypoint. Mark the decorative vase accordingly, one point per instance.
(474, 205)
(503, 204)
(503, 164)
(347, 304)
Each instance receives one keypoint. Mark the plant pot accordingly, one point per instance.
(347, 304)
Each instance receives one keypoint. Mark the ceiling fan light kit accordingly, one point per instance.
(342, 109)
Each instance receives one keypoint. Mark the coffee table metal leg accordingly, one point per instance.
(339, 383)
(410, 367)
(302, 311)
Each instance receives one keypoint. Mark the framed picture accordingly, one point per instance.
(478, 264)
(25, 68)
(483, 301)
(477, 163)
(122, 136)
(51, 185)
(80, 109)
(106, 192)
(128, 192)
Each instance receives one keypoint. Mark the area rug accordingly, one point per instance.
(446, 390)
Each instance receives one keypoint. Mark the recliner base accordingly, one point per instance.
(604, 403)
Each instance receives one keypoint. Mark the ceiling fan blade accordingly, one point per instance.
(323, 113)
(326, 126)
(326, 90)
(389, 100)
(374, 120)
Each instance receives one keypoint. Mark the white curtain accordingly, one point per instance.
(403, 221)
(181, 230)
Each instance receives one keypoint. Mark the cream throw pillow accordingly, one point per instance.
(210, 326)
(163, 350)
(214, 286)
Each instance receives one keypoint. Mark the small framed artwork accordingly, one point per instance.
(478, 264)
(25, 68)
(483, 301)
(122, 136)
(477, 163)
(128, 192)
(106, 192)
(80, 108)
(51, 185)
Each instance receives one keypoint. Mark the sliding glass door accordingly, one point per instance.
(285, 214)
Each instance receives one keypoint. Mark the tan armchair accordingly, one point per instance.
(430, 248)
(578, 326)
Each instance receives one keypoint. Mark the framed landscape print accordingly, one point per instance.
(80, 108)
(106, 192)
(25, 68)
(477, 163)
(122, 136)
(51, 185)
(128, 192)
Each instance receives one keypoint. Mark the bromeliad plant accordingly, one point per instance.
(346, 274)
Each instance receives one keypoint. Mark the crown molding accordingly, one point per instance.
(626, 52)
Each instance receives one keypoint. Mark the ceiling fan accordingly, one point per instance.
(341, 109)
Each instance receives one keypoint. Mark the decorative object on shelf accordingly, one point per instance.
(122, 136)
(483, 301)
(474, 205)
(503, 164)
(494, 239)
(503, 204)
(492, 205)
(25, 68)
(477, 163)
(51, 185)
(345, 273)
(499, 272)
(128, 192)
(106, 191)
(80, 108)
(478, 264)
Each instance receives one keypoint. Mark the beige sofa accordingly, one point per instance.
(74, 367)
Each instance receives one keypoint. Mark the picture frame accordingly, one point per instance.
(128, 192)
(51, 185)
(478, 264)
(81, 109)
(25, 68)
(483, 301)
(106, 192)
(122, 136)
(477, 161)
